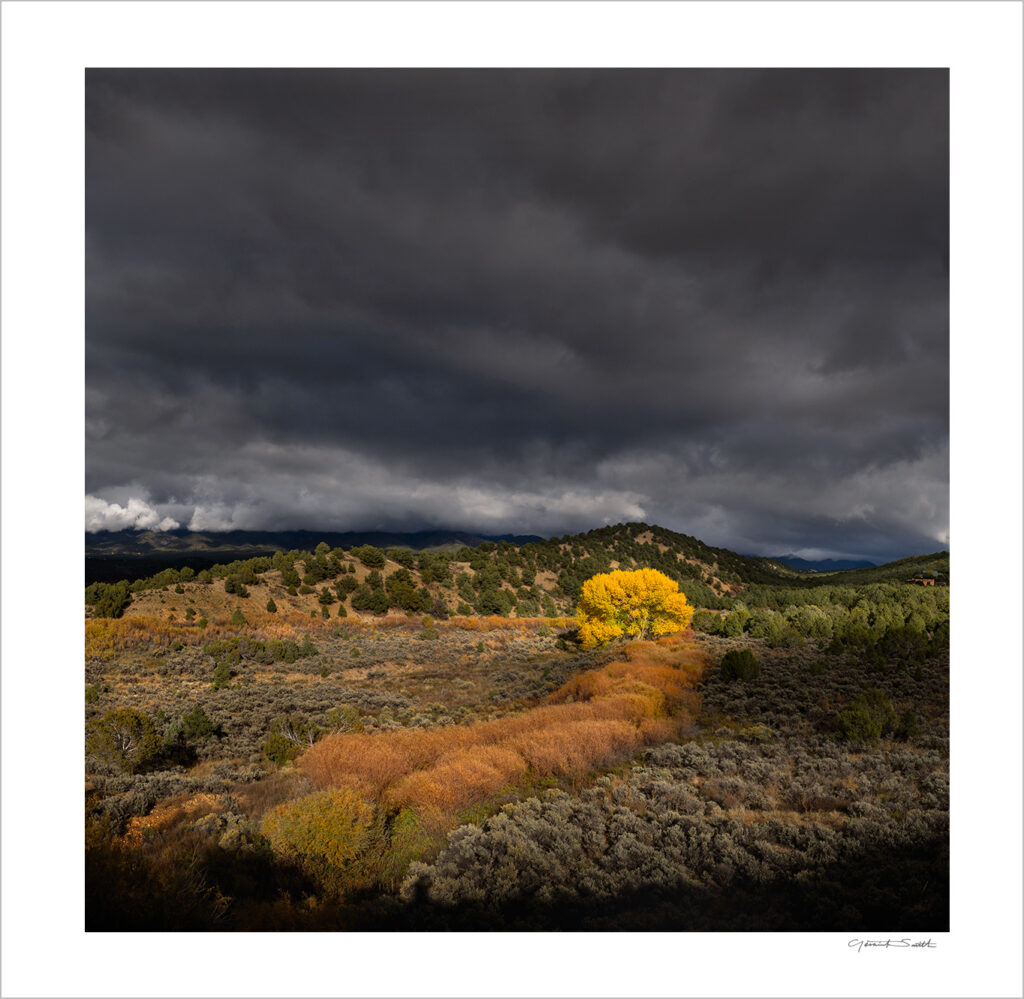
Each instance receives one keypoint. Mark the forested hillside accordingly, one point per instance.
(491, 578)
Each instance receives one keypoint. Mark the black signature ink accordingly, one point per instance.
(890, 944)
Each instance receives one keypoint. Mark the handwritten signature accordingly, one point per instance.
(890, 943)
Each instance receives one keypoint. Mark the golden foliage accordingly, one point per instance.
(328, 828)
(642, 603)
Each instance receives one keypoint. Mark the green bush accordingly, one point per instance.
(494, 601)
(344, 586)
(108, 599)
(234, 585)
(366, 598)
(707, 622)
(908, 726)
(740, 664)
(271, 606)
(371, 557)
(290, 736)
(125, 738)
(278, 749)
(410, 840)
(238, 619)
(196, 724)
(402, 592)
(867, 719)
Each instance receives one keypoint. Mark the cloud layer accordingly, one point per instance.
(135, 514)
(522, 301)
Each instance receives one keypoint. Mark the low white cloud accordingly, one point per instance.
(219, 517)
(880, 511)
(136, 513)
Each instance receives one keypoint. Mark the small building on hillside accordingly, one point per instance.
(929, 578)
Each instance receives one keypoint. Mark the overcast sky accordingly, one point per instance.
(522, 301)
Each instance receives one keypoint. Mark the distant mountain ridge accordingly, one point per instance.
(822, 565)
(159, 544)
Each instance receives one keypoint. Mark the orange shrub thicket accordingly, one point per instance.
(107, 636)
(496, 623)
(460, 778)
(170, 813)
(595, 719)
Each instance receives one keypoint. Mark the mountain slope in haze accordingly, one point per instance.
(901, 570)
(822, 565)
(247, 543)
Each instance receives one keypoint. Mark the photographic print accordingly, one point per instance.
(517, 500)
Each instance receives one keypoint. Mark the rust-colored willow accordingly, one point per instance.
(596, 719)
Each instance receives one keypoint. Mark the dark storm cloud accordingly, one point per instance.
(522, 300)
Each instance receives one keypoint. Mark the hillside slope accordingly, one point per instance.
(541, 577)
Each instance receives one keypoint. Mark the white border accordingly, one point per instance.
(45, 48)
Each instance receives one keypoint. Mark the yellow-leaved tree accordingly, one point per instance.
(642, 603)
